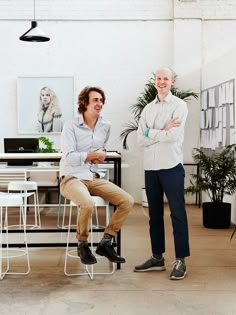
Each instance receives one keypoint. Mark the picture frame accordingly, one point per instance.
(44, 103)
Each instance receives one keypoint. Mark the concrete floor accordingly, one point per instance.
(209, 287)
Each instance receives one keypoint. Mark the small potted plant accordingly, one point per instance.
(48, 146)
(217, 177)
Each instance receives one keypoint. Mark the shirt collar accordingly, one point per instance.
(81, 119)
(166, 99)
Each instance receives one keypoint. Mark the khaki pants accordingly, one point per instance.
(80, 191)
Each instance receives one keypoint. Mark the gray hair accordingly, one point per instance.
(173, 73)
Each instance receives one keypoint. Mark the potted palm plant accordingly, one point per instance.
(147, 96)
(217, 177)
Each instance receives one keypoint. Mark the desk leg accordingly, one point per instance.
(198, 195)
(117, 181)
(118, 247)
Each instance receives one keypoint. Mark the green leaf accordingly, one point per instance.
(48, 146)
(217, 174)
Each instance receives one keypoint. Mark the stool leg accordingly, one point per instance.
(107, 213)
(38, 210)
(37, 220)
(96, 214)
(26, 247)
(59, 211)
(25, 241)
(67, 243)
(90, 269)
(3, 273)
(26, 250)
(63, 217)
(23, 214)
(35, 213)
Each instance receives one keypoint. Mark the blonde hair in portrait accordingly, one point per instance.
(48, 98)
(49, 113)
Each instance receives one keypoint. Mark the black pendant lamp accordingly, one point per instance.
(34, 34)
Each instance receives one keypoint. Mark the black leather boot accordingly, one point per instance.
(107, 250)
(85, 254)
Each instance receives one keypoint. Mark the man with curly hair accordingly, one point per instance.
(84, 141)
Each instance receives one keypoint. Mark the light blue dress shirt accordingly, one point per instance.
(77, 140)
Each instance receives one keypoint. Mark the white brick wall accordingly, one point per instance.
(87, 9)
(117, 9)
(205, 9)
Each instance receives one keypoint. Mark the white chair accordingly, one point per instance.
(27, 189)
(47, 181)
(15, 180)
(72, 253)
(8, 200)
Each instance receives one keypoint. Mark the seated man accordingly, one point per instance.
(83, 146)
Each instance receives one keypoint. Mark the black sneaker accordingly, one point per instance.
(85, 254)
(179, 270)
(151, 264)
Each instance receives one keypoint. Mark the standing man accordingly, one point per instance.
(83, 143)
(161, 134)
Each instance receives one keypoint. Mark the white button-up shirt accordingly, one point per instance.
(77, 140)
(162, 148)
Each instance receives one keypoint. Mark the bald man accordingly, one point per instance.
(161, 135)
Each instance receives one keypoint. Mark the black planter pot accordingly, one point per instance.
(216, 215)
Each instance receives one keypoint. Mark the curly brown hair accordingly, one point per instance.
(83, 98)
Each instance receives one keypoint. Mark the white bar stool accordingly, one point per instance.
(89, 269)
(6, 253)
(27, 189)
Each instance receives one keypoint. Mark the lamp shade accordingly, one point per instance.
(34, 34)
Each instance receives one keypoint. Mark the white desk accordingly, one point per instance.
(34, 168)
(33, 157)
(40, 157)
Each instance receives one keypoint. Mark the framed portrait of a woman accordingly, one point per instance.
(44, 103)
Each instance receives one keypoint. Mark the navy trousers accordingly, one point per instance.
(171, 182)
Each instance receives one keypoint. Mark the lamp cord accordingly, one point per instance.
(34, 10)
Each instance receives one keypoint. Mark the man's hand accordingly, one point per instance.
(173, 123)
(97, 156)
(101, 155)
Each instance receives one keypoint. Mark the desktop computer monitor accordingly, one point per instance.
(20, 145)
